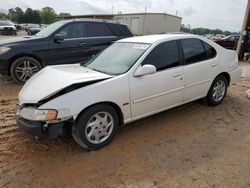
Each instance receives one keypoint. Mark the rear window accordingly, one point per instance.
(121, 30)
(193, 50)
(98, 29)
(211, 52)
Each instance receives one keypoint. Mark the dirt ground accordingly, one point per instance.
(190, 146)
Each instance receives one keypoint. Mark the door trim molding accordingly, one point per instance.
(157, 95)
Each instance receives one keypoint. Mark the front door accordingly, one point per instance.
(154, 93)
(73, 49)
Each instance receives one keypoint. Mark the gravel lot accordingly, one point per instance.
(190, 146)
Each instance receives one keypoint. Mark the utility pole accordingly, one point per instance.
(244, 27)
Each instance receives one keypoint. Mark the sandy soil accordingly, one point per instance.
(190, 146)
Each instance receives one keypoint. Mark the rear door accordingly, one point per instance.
(99, 36)
(73, 49)
(198, 71)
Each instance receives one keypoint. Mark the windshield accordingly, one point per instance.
(5, 24)
(118, 58)
(50, 29)
(33, 25)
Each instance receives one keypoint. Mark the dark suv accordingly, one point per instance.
(63, 42)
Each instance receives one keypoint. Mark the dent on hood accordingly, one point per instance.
(68, 89)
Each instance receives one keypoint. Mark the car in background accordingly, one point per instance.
(132, 79)
(229, 42)
(64, 42)
(33, 29)
(7, 28)
(219, 36)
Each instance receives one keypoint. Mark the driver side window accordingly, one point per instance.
(164, 56)
(73, 30)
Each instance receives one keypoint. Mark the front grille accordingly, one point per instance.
(8, 28)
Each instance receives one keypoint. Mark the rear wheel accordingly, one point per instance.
(96, 127)
(24, 68)
(217, 91)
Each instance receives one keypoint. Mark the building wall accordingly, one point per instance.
(146, 24)
(130, 21)
(161, 23)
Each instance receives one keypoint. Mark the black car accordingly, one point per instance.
(33, 29)
(64, 42)
(7, 28)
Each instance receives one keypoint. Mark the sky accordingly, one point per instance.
(222, 14)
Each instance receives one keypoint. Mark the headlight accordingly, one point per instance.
(4, 50)
(37, 115)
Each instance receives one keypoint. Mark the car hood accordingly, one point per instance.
(54, 79)
(15, 40)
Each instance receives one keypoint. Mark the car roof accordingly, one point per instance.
(91, 20)
(150, 39)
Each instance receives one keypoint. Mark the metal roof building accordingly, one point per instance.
(140, 23)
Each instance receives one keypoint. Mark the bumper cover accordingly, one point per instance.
(235, 75)
(41, 130)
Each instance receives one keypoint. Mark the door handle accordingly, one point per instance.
(82, 44)
(177, 75)
(214, 65)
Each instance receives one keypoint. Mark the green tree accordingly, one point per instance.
(64, 14)
(3, 16)
(48, 15)
(36, 17)
(15, 14)
(28, 16)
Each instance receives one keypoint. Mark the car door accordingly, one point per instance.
(73, 48)
(100, 36)
(198, 71)
(163, 89)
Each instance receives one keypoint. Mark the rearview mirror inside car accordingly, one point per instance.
(145, 70)
(58, 37)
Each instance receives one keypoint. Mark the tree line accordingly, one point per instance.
(46, 15)
(204, 31)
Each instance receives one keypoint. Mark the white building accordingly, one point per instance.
(150, 23)
(140, 23)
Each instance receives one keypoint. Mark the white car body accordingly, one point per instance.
(136, 97)
(93, 104)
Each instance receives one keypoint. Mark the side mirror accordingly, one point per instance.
(145, 70)
(58, 38)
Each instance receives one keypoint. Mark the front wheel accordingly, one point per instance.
(217, 91)
(96, 127)
(24, 68)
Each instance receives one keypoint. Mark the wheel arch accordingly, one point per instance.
(24, 55)
(112, 104)
(227, 76)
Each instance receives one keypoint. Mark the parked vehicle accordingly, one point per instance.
(70, 41)
(7, 28)
(219, 36)
(33, 29)
(132, 79)
(18, 27)
(229, 42)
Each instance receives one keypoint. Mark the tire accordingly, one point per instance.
(24, 68)
(102, 120)
(217, 91)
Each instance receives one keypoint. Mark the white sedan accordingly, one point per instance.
(132, 79)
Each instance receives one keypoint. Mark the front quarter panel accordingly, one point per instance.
(115, 90)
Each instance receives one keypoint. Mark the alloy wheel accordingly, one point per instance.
(99, 127)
